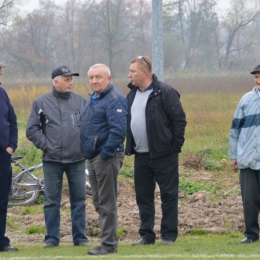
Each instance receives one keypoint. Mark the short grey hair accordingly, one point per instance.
(100, 65)
(56, 78)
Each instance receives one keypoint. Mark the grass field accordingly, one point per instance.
(186, 247)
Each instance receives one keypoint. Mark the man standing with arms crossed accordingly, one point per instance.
(8, 144)
(244, 152)
(155, 134)
(102, 136)
(54, 127)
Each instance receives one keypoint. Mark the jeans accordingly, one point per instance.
(53, 175)
(103, 180)
(164, 171)
(5, 185)
(250, 189)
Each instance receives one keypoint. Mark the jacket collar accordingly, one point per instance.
(155, 84)
(61, 94)
(103, 93)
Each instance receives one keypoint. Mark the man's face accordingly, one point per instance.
(98, 79)
(136, 75)
(1, 71)
(63, 83)
(257, 79)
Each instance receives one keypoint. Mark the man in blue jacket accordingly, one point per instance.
(244, 153)
(8, 144)
(102, 136)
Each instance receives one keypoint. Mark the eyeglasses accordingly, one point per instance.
(141, 57)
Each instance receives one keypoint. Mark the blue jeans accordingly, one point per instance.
(164, 171)
(5, 185)
(53, 175)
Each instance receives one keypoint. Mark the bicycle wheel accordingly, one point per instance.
(22, 193)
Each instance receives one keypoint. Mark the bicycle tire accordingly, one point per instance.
(21, 195)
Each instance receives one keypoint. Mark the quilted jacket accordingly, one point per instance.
(103, 125)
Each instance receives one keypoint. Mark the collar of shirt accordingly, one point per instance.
(94, 98)
(149, 88)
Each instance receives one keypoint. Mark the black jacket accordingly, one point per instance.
(165, 120)
(8, 123)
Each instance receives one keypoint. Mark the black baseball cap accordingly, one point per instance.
(62, 71)
(256, 70)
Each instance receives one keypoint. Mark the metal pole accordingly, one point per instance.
(157, 41)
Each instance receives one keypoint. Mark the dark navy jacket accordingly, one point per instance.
(8, 123)
(103, 126)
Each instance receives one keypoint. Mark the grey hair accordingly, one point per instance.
(100, 65)
(56, 78)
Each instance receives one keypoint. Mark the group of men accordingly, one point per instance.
(70, 129)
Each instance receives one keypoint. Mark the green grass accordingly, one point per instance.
(197, 246)
(35, 229)
(190, 187)
(32, 209)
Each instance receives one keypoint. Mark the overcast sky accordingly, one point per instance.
(32, 4)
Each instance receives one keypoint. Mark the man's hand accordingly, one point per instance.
(234, 165)
(10, 150)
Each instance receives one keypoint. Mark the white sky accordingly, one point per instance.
(33, 4)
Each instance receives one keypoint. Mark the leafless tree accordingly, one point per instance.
(240, 15)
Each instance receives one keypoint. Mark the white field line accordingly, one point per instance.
(171, 256)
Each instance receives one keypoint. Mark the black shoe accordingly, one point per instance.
(101, 251)
(142, 241)
(167, 242)
(49, 244)
(247, 240)
(8, 248)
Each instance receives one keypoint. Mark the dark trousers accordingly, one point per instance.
(250, 189)
(103, 180)
(164, 171)
(5, 185)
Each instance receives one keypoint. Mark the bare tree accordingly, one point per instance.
(29, 42)
(194, 22)
(114, 31)
(240, 15)
(6, 8)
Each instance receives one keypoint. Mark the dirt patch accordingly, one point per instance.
(219, 213)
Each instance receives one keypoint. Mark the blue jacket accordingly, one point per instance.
(8, 123)
(103, 125)
(244, 135)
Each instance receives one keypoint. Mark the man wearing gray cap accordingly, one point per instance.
(244, 152)
(8, 144)
(54, 127)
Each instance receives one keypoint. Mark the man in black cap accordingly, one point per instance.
(244, 152)
(8, 144)
(54, 127)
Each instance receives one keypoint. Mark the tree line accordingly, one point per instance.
(82, 33)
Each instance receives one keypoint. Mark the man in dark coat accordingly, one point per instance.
(8, 144)
(155, 134)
